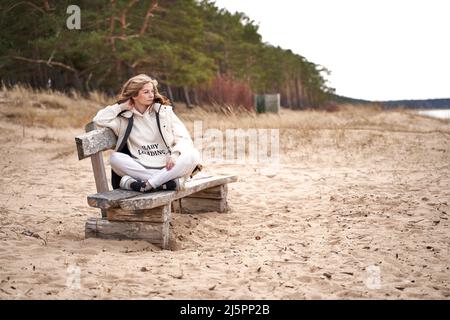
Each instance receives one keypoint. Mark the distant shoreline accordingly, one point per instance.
(436, 113)
(441, 103)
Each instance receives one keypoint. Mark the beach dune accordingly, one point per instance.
(357, 208)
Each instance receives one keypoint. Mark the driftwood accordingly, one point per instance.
(156, 233)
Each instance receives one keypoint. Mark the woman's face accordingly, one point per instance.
(146, 95)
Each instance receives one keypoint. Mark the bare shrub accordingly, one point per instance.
(226, 91)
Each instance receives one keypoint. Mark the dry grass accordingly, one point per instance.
(352, 130)
(348, 116)
(372, 124)
(30, 107)
(47, 108)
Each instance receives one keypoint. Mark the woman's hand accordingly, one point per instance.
(171, 160)
(170, 163)
(127, 105)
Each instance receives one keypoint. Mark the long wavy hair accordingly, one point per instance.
(131, 89)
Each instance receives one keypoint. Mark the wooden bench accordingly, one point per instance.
(146, 216)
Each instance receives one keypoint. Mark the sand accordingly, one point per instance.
(350, 213)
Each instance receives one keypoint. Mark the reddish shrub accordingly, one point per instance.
(224, 90)
(331, 106)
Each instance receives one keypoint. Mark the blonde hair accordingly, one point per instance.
(133, 85)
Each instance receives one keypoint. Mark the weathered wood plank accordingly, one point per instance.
(110, 199)
(156, 233)
(218, 192)
(158, 214)
(156, 199)
(199, 205)
(91, 142)
(90, 127)
(98, 168)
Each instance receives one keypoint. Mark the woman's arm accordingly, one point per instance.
(107, 117)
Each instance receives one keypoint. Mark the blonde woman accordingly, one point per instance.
(148, 156)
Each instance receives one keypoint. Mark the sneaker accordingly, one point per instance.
(175, 184)
(129, 183)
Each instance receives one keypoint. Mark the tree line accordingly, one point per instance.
(199, 53)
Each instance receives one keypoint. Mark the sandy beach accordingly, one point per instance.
(358, 208)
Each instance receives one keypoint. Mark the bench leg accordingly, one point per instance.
(218, 192)
(208, 200)
(151, 225)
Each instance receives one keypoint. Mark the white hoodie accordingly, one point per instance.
(145, 142)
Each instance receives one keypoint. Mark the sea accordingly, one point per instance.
(437, 113)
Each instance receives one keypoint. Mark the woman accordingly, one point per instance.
(147, 157)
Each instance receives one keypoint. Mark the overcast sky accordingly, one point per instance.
(375, 49)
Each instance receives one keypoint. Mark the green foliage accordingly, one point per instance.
(180, 42)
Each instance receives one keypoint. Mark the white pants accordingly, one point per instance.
(123, 164)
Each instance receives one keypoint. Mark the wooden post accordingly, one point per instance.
(98, 167)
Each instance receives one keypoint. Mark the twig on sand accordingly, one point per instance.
(29, 233)
(293, 262)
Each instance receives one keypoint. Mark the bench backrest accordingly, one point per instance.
(91, 144)
(94, 141)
